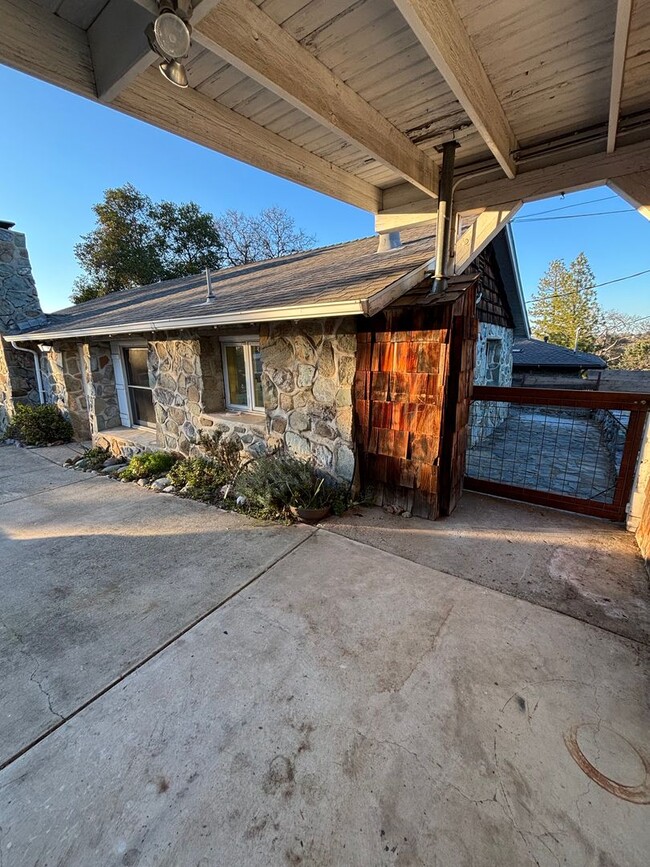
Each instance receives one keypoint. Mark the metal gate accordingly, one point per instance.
(573, 450)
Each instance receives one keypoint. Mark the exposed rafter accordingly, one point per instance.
(529, 185)
(621, 33)
(476, 238)
(241, 33)
(39, 43)
(118, 44)
(635, 189)
(440, 29)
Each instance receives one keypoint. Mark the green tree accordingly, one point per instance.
(565, 308)
(636, 355)
(136, 242)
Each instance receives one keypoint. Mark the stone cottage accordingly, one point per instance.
(270, 352)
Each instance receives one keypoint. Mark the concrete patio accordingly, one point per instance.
(221, 692)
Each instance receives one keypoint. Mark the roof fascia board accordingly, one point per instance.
(269, 314)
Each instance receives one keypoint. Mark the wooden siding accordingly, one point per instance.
(492, 306)
(412, 388)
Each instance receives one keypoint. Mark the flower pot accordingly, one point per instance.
(310, 516)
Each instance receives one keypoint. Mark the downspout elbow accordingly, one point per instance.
(37, 369)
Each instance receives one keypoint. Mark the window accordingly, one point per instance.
(493, 355)
(242, 371)
(137, 385)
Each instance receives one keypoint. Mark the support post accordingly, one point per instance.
(445, 206)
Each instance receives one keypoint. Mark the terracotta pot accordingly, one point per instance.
(310, 516)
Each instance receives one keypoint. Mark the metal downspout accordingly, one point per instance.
(445, 206)
(37, 369)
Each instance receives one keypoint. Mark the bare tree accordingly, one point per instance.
(267, 235)
(617, 333)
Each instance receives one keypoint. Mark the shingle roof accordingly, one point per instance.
(349, 272)
(528, 352)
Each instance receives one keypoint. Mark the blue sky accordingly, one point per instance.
(64, 151)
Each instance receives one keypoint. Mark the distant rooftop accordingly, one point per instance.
(529, 352)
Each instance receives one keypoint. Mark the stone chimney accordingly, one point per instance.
(20, 310)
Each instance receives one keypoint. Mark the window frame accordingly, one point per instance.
(498, 343)
(128, 386)
(247, 342)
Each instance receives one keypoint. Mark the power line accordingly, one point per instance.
(596, 285)
(574, 205)
(572, 216)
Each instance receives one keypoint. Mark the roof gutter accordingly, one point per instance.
(37, 368)
(269, 314)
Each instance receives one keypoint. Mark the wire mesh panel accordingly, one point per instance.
(571, 451)
(575, 450)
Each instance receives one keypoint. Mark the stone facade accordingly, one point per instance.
(101, 394)
(64, 385)
(187, 381)
(308, 372)
(19, 309)
(486, 415)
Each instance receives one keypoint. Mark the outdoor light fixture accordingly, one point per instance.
(170, 36)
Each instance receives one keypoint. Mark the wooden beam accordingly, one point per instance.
(38, 43)
(118, 44)
(119, 47)
(635, 189)
(440, 29)
(476, 238)
(241, 33)
(530, 184)
(621, 33)
(194, 116)
(35, 41)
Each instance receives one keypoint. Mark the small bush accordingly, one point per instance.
(95, 457)
(225, 452)
(39, 425)
(147, 465)
(275, 482)
(203, 477)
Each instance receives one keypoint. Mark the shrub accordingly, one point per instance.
(203, 477)
(225, 452)
(148, 465)
(95, 457)
(275, 482)
(38, 425)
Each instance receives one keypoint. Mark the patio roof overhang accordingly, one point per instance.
(353, 98)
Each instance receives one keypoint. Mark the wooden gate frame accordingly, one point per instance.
(638, 405)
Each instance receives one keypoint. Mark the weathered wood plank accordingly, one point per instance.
(635, 189)
(439, 28)
(241, 33)
(623, 16)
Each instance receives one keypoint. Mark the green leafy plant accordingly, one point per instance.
(95, 457)
(273, 483)
(203, 477)
(147, 465)
(225, 452)
(39, 425)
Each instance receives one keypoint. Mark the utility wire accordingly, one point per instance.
(574, 205)
(572, 216)
(595, 286)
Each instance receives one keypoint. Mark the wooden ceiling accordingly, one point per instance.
(353, 97)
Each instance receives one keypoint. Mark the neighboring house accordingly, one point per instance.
(543, 364)
(342, 354)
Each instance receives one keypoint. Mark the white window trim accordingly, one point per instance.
(121, 383)
(247, 341)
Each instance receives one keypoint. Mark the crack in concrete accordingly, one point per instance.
(32, 678)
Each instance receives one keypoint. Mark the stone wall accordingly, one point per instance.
(175, 377)
(485, 416)
(19, 309)
(64, 386)
(101, 394)
(308, 372)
